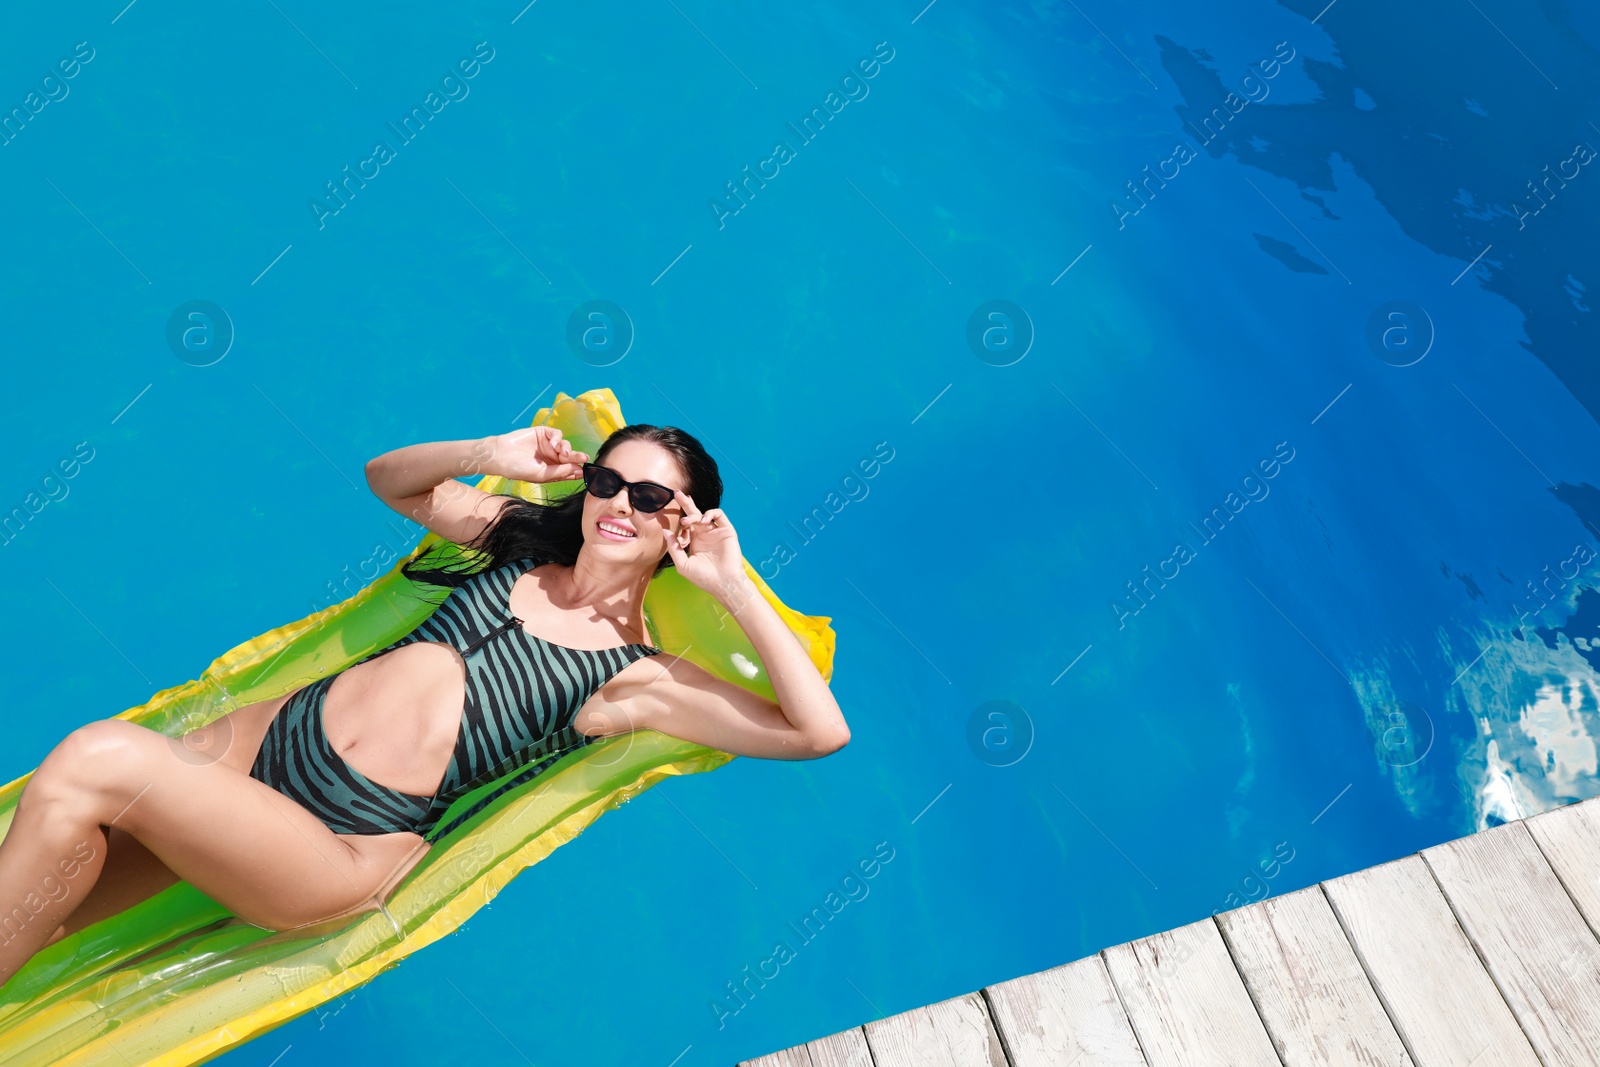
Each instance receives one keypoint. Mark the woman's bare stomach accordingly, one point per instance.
(394, 718)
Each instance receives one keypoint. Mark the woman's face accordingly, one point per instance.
(613, 527)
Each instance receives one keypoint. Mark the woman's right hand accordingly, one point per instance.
(536, 454)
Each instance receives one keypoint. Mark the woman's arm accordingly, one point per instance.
(689, 703)
(804, 698)
(685, 701)
(419, 481)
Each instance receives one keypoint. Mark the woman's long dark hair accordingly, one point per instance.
(553, 532)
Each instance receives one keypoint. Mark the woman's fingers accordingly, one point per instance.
(691, 514)
(674, 549)
(553, 448)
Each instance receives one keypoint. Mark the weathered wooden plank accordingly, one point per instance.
(1068, 1016)
(1441, 1000)
(847, 1048)
(951, 1033)
(1569, 838)
(1307, 984)
(1186, 1002)
(1529, 934)
(799, 1056)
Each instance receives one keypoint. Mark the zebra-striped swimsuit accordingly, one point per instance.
(522, 693)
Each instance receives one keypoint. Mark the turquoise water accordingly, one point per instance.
(1332, 317)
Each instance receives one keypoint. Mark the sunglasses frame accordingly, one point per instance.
(622, 484)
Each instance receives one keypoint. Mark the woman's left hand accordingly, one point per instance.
(705, 549)
(536, 454)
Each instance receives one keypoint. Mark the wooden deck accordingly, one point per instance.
(1480, 952)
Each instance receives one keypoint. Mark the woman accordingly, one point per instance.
(322, 800)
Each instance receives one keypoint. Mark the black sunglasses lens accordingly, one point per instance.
(601, 482)
(648, 497)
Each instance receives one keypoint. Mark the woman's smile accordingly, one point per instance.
(615, 530)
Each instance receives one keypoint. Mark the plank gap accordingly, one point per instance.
(1565, 888)
(1366, 969)
(1122, 1002)
(1477, 950)
(994, 1021)
(1233, 956)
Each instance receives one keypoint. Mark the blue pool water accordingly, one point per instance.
(1346, 315)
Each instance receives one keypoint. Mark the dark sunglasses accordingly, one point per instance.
(606, 483)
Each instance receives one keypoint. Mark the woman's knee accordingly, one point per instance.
(96, 760)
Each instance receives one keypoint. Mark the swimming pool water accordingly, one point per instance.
(1225, 378)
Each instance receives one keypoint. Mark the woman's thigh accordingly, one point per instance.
(132, 873)
(251, 849)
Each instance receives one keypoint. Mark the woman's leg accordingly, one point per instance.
(253, 850)
(131, 874)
